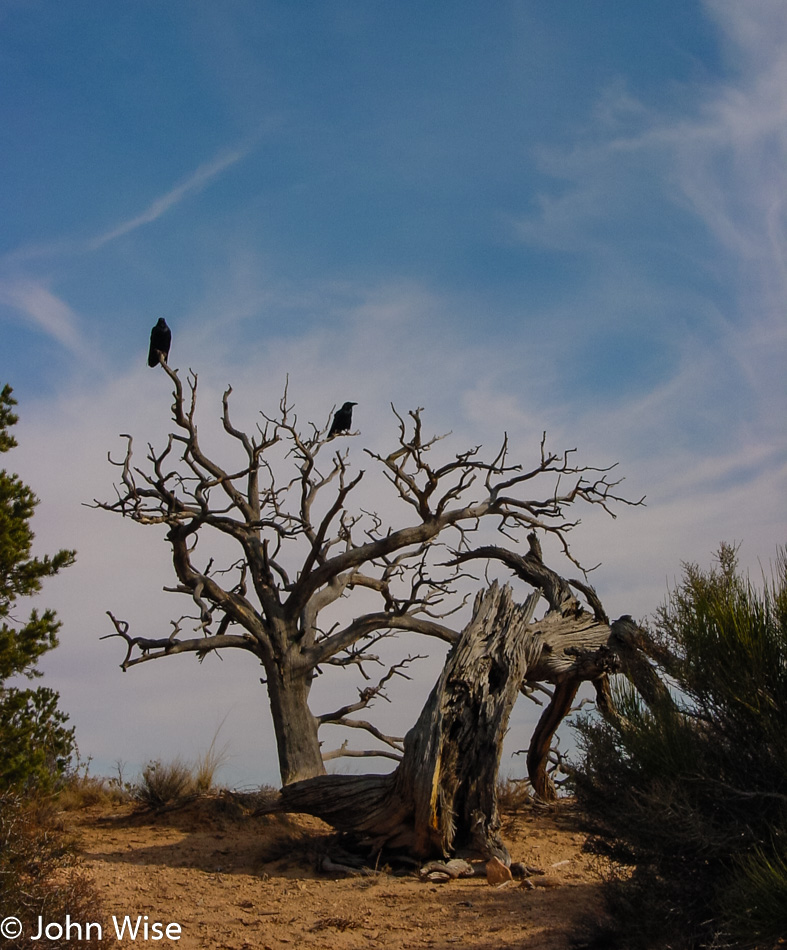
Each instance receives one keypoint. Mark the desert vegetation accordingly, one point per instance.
(40, 870)
(688, 792)
(42, 873)
(37, 743)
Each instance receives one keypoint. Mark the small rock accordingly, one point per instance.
(438, 877)
(546, 881)
(497, 872)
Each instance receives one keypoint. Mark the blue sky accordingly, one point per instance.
(519, 215)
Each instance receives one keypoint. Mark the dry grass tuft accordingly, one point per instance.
(514, 795)
(166, 783)
(207, 764)
(83, 791)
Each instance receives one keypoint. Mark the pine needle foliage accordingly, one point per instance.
(37, 746)
(690, 794)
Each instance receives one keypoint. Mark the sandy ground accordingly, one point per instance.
(235, 883)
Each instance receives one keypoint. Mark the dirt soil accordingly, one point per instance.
(236, 882)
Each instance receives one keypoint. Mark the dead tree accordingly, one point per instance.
(441, 800)
(304, 551)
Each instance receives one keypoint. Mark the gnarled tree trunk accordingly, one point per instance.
(442, 798)
(294, 724)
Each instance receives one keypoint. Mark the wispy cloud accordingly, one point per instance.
(194, 183)
(724, 159)
(732, 158)
(44, 309)
(199, 179)
(719, 165)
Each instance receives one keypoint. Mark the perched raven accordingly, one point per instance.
(160, 339)
(342, 419)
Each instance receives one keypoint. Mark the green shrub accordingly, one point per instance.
(36, 744)
(38, 747)
(758, 893)
(690, 794)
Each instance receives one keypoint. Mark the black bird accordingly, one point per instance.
(160, 339)
(342, 419)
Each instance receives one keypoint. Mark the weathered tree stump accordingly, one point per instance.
(442, 798)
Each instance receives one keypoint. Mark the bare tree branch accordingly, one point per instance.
(345, 752)
(165, 646)
(303, 548)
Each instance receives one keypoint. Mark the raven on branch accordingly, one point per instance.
(342, 420)
(160, 340)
